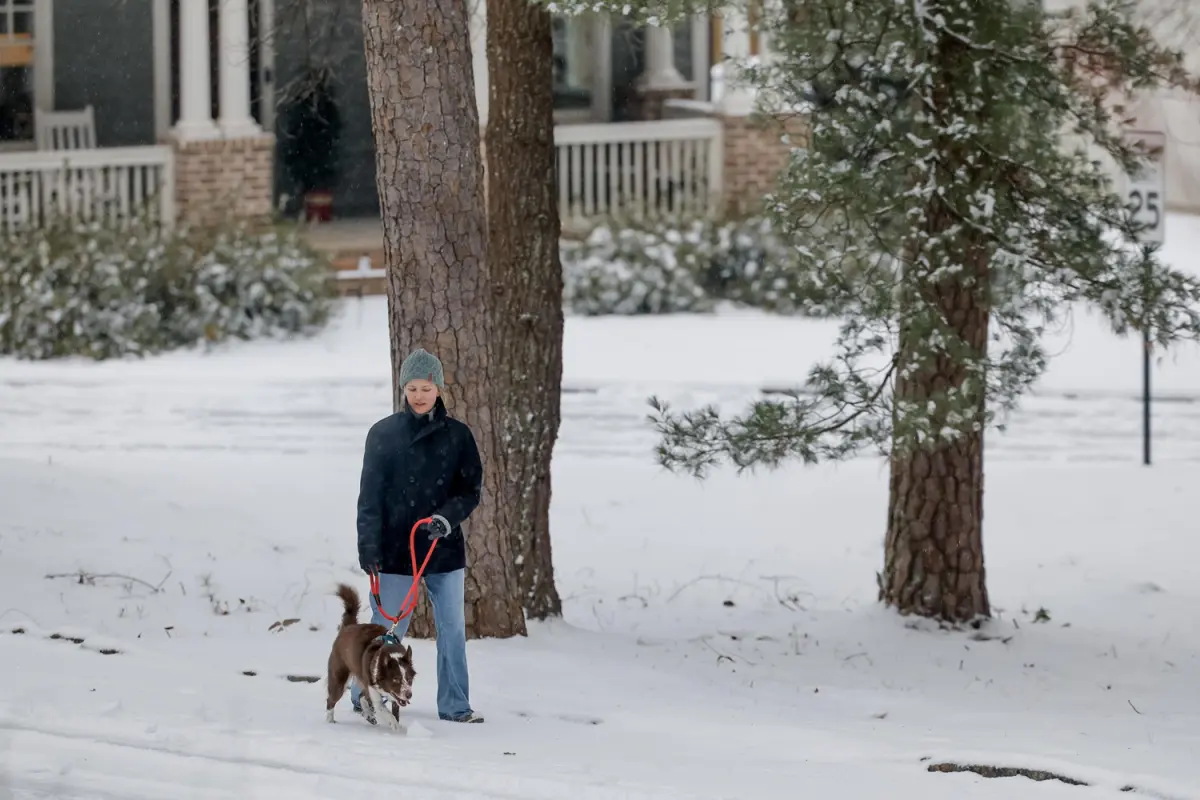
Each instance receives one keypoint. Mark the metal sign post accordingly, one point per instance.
(1146, 193)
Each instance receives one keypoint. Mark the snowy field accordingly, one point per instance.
(720, 640)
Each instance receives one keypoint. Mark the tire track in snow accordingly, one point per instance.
(328, 417)
(41, 758)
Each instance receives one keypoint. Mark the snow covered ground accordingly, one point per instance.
(720, 639)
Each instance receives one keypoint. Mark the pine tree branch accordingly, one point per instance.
(769, 433)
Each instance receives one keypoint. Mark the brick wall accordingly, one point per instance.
(755, 155)
(219, 178)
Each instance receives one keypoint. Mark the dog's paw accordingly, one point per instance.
(329, 715)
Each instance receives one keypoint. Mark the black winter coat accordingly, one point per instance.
(415, 467)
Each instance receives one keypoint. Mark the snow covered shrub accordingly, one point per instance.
(633, 270)
(77, 289)
(749, 264)
(102, 290)
(246, 283)
(664, 267)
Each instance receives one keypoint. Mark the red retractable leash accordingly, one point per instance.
(409, 604)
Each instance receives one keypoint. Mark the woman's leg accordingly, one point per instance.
(446, 592)
(392, 589)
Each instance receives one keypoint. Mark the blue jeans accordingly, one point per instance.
(446, 591)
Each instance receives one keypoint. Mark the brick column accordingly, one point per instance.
(223, 172)
(755, 155)
(650, 102)
(223, 179)
(755, 150)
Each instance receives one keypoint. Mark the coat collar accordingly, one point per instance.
(425, 424)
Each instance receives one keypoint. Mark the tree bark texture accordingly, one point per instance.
(430, 180)
(527, 283)
(933, 551)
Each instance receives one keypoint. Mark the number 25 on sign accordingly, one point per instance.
(1145, 191)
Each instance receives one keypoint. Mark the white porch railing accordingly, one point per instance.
(108, 183)
(638, 169)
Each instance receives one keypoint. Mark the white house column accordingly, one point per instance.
(701, 53)
(160, 11)
(730, 94)
(234, 69)
(195, 102)
(601, 78)
(266, 63)
(660, 73)
(43, 55)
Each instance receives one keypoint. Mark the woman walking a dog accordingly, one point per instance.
(421, 463)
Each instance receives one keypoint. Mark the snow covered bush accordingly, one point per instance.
(667, 267)
(77, 290)
(101, 290)
(748, 264)
(246, 284)
(633, 270)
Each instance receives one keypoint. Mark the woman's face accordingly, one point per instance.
(421, 395)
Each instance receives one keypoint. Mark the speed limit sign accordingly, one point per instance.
(1145, 191)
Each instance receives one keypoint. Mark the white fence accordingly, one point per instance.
(111, 183)
(627, 169)
(638, 169)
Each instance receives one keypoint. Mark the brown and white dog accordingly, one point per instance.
(378, 668)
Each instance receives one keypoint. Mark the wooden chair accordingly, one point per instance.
(65, 130)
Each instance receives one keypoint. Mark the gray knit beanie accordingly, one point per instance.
(422, 365)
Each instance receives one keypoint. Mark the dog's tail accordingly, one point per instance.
(351, 603)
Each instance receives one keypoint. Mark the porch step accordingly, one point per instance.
(355, 248)
(360, 273)
(357, 261)
(362, 287)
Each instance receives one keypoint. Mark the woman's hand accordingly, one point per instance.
(437, 528)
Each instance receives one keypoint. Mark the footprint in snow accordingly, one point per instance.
(579, 719)
(418, 731)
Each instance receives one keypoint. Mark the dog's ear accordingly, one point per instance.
(408, 652)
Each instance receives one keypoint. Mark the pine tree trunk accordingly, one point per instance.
(527, 284)
(933, 562)
(430, 179)
(933, 552)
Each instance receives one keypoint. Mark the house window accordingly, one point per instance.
(16, 70)
(573, 64)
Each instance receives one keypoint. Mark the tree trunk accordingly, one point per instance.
(430, 179)
(527, 284)
(933, 551)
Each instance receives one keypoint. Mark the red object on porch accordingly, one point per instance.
(318, 206)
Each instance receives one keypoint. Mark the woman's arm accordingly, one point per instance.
(370, 499)
(466, 485)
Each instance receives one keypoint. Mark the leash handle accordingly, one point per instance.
(409, 604)
(373, 578)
